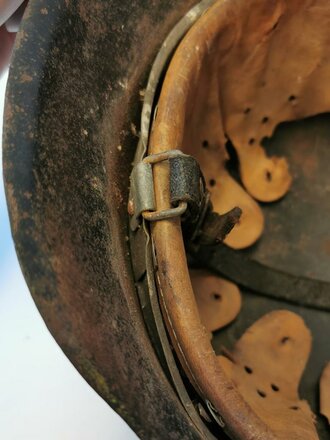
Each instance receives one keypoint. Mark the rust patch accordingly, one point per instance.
(25, 78)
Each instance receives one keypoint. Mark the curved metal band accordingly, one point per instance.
(158, 67)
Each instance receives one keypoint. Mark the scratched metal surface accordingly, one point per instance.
(297, 233)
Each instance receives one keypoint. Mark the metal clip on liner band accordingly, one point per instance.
(166, 213)
(186, 187)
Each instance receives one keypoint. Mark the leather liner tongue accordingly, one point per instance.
(266, 365)
(218, 300)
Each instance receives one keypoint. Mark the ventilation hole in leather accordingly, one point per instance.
(212, 182)
(275, 387)
(248, 369)
(247, 110)
(284, 340)
(292, 98)
(216, 296)
(252, 141)
(268, 176)
(261, 393)
(265, 119)
(295, 408)
(205, 144)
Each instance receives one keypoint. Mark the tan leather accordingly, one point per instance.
(218, 300)
(266, 365)
(325, 392)
(205, 140)
(272, 65)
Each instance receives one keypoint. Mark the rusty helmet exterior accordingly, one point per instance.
(135, 164)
